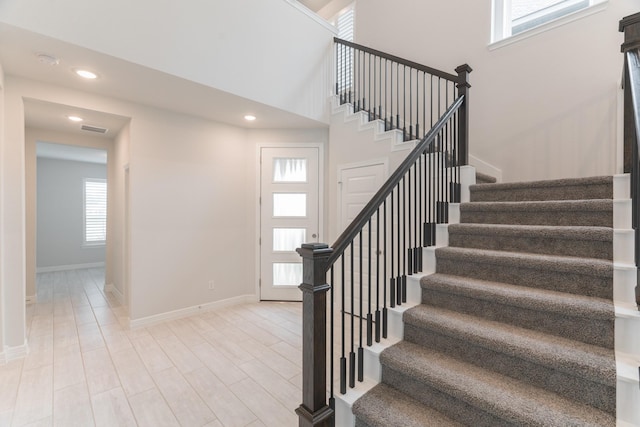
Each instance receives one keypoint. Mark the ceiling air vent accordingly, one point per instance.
(94, 129)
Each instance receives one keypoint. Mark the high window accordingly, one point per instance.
(95, 211)
(514, 17)
(344, 21)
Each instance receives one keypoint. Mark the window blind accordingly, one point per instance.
(95, 211)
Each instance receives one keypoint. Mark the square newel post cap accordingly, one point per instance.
(314, 266)
(463, 75)
(314, 250)
(630, 26)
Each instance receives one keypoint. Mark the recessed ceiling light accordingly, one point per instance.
(249, 118)
(45, 58)
(75, 118)
(86, 74)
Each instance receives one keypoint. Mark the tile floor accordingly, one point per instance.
(239, 366)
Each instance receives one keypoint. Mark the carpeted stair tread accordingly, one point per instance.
(532, 298)
(513, 401)
(595, 212)
(564, 264)
(384, 406)
(582, 241)
(571, 357)
(600, 187)
(586, 319)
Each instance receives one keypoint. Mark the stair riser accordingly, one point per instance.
(582, 192)
(561, 281)
(596, 332)
(549, 377)
(538, 245)
(448, 405)
(537, 217)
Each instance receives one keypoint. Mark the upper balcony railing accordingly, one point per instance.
(364, 273)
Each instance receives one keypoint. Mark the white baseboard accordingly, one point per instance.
(31, 299)
(485, 168)
(13, 353)
(115, 291)
(189, 311)
(69, 267)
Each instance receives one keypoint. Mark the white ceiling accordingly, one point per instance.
(46, 115)
(123, 80)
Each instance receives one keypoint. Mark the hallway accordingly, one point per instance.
(238, 366)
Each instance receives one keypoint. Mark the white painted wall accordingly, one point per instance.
(544, 107)
(192, 202)
(12, 206)
(236, 46)
(3, 296)
(117, 249)
(191, 221)
(60, 213)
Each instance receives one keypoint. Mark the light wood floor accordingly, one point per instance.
(238, 366)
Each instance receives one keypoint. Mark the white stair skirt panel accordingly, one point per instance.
(627, 323)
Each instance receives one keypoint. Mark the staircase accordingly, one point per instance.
(516, 327)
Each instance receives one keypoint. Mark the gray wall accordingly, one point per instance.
(60, 213)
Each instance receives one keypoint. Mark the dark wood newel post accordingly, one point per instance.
(630, 26)
(463, 114)
(314, 410)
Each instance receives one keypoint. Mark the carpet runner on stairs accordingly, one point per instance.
(516, 327)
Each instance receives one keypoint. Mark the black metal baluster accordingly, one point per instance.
(410, 104)
(386, 98)
(368, 107)
(391, 97)
(352, 76)
(398, 96)
(418, 136)
(369, 313)
(356, 95)
(332, 399)
(337, 49)
(378, 252)
(352, 354)
(360, 317)
(417, 251)
(400, 250)
(392, 279)
(372, 85)
(380, 88)
(404, 103)
(384, 271)
(403, 289)
(408, 226)
(343, 359)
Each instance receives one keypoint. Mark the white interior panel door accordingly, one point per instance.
(289, 213)
(358, 185)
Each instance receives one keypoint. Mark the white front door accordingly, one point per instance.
(289, 216)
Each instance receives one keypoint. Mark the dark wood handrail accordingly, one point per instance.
(347, 236)
(401, 61)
